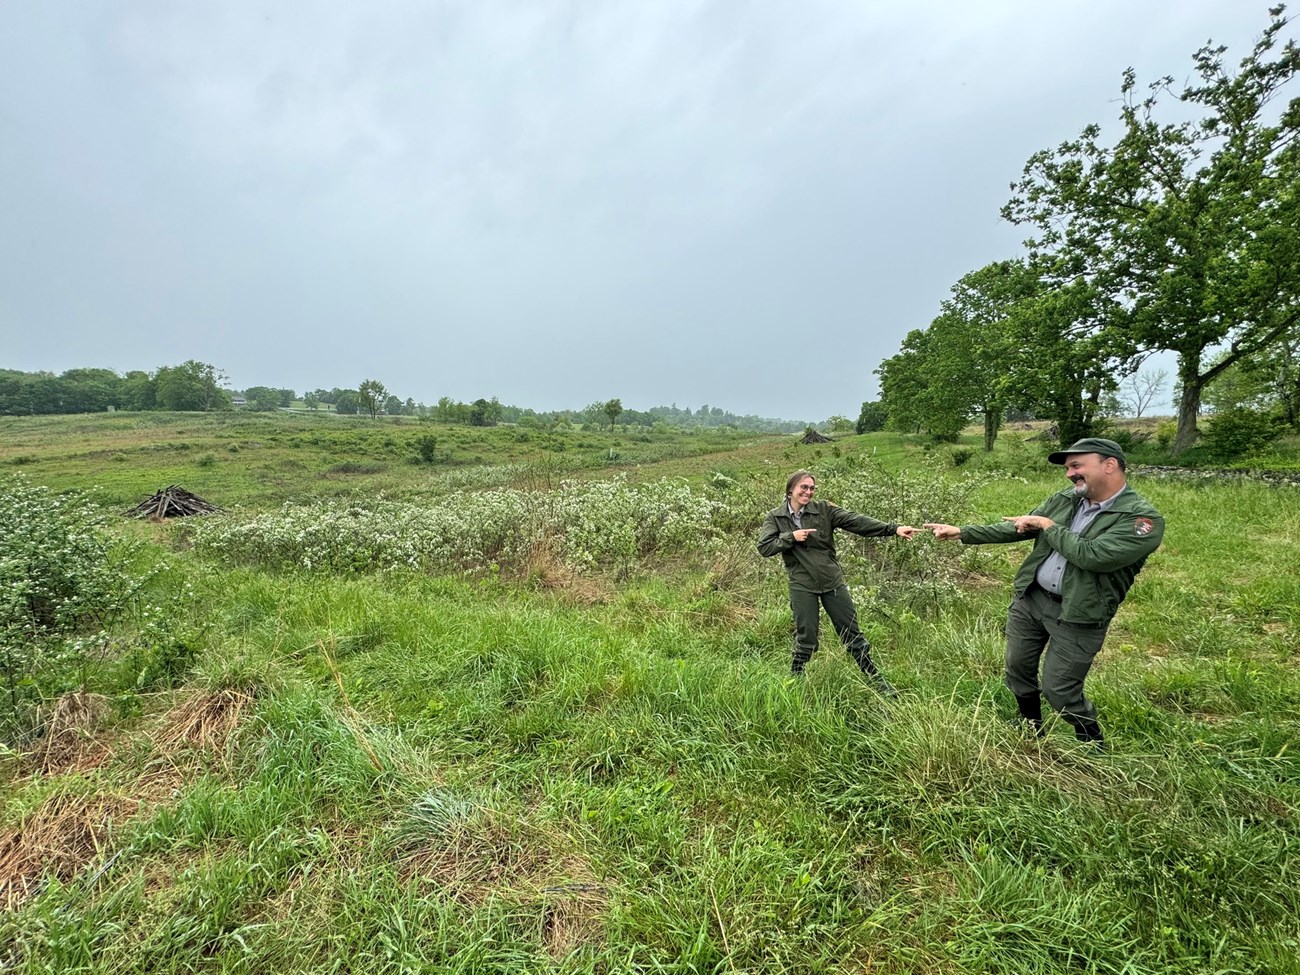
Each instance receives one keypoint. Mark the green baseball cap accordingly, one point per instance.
(1089, 445)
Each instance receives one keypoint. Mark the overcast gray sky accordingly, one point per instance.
(745, 204)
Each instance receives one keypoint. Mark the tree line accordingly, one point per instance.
(200, 386)
(1179, 235)
(190, 386)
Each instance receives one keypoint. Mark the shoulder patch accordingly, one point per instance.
(1143, 526)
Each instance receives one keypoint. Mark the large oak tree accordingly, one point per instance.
(1188, 231)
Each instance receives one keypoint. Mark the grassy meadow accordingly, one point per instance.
(527, 709)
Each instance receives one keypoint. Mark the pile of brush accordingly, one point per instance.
(172, 502)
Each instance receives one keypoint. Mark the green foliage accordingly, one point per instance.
(63, 581)
(1179, 236)
(921, 575)
(372, 394)
(348, 402)
(263, 399)
(426, 448)
(971, 359)
(613, 409)
(1241, 432)
(872, 417)
(192, 385)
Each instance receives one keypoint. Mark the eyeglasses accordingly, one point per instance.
(809, 488)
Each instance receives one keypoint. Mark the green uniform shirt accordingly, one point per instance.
(1101, 562)
(812, 565)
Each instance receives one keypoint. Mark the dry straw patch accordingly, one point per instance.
(547, 571)
(69, 741)
(68, 831)
(60, 837)
(573, 913)
(204, 721)
(473, 853)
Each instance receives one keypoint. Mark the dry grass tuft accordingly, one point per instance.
(573, 910)
(476, 853)
(59, 838)
(69, 741)
(547, 571)
(204, 721)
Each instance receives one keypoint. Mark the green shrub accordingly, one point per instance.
(63, 580)
(1126, 438)
(426, 448)
(1240, 432)
(1166, 430)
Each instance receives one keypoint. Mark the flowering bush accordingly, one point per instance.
(62, 578)
(889, 573)
(587, 524)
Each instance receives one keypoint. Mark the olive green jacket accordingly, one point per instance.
(1101, 562)
(812, 565)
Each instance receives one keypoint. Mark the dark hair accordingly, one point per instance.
(795, 478)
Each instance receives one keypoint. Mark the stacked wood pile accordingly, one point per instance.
(812, 436)
(172, 502)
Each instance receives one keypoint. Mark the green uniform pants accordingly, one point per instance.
(1034, 626)
(806, 607)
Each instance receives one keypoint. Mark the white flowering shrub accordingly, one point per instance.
(587, 524)
(63, 579)
(890, 574)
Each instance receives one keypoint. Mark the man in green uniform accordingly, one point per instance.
(802, 531)
(1090, 542)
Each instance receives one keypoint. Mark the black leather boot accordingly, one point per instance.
(1031, 709)
(1088, 731)
(801, 657)
(868, 667)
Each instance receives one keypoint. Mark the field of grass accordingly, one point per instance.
(561, 760)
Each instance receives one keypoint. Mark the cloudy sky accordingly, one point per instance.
(745, 204)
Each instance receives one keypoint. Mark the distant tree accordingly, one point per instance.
(347, 402)
(840, 424)
(287, 396)
(90, 390)
(311, 401)
(1137, 391)
(448, 410)
(912, 400)
(137, 391)
(872, 417)
(481, 413)
(15, 393)
(191, 386)
(612, 409)
(261, 399)
(372, 393)
(393, 406)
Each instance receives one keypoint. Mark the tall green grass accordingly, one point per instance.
(590, 773)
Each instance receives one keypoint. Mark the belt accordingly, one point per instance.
(1054, 597)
